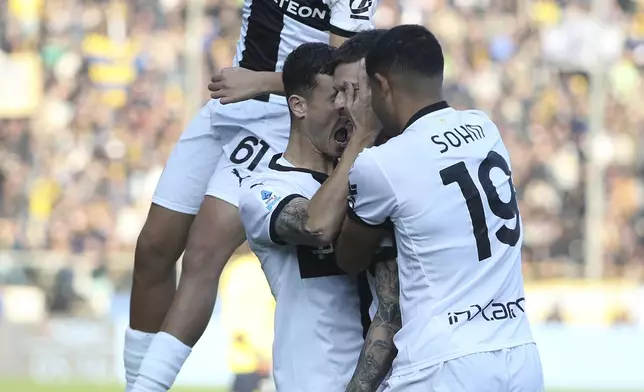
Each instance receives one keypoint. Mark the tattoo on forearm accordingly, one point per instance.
(379, 351)
(290, 224)
(292, 218)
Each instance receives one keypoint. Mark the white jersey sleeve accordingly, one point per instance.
(351, 16)
(260, 205)
(371, 197)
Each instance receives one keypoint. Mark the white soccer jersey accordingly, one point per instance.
(271, 29)
(321, 313)
(445, 184)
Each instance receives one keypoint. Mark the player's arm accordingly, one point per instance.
(328, 207)
(292, 225)
(274, 212)
(371, 204)
(379, 351)
(239, 84)
(236, 84)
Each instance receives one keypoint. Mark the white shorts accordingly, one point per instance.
(218, 150)
(516, 369)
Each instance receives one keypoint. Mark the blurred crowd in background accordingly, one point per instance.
(92, 100)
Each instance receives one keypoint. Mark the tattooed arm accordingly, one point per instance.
(379, 351)
(291, 224)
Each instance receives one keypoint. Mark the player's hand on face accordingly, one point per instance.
(234, 84)
(358, 105)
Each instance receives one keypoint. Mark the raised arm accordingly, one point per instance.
(379, 351)
(239, 84)
(328, 208)
(236, 84)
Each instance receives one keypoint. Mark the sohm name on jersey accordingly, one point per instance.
(458, 137)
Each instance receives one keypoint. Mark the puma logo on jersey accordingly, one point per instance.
(359, 8)
(236, 173)
(300, 10)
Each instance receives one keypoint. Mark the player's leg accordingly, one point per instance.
(163, 238)
(215, 234)
(160, 243)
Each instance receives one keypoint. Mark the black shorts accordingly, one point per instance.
(247, 382)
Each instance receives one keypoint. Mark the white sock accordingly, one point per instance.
(162, 364)
(136, 345)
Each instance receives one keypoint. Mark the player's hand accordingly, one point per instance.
(358, 106)
(234, 85)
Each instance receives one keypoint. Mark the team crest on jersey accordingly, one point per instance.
(270, 199)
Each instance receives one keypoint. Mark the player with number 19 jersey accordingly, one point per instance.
(458, 233)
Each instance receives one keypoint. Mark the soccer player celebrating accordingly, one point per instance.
(320, 309)
(216, 154)
(444, 182)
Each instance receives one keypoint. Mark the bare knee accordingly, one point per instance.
(160, 243)
(216, 233)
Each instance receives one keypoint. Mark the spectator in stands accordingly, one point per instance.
(92, 103)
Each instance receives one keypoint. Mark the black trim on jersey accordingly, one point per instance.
(272, 232)
(263, 37)
(341, 32)
(317, 176)
(262, 98)
(425, 111)
(387, 224)
(366, 299)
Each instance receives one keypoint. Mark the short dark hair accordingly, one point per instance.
(302, 65)
(406, 50)
(355, 48)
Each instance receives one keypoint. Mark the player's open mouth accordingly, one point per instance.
(341, 136)
(343, 133)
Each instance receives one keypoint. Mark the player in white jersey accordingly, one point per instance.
(320, 310)
(218, 151)
(378, 351)
(444, 181)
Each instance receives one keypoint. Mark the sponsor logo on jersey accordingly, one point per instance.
(293, 8)
(360, 9)
(493, 311)
(270, 199)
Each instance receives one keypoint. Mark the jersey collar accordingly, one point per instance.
(425, 111)
(275, 165)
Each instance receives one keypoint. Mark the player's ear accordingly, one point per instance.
(382, 84)
(297, 104)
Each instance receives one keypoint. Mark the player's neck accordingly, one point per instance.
(407, 107)
(302, 154)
